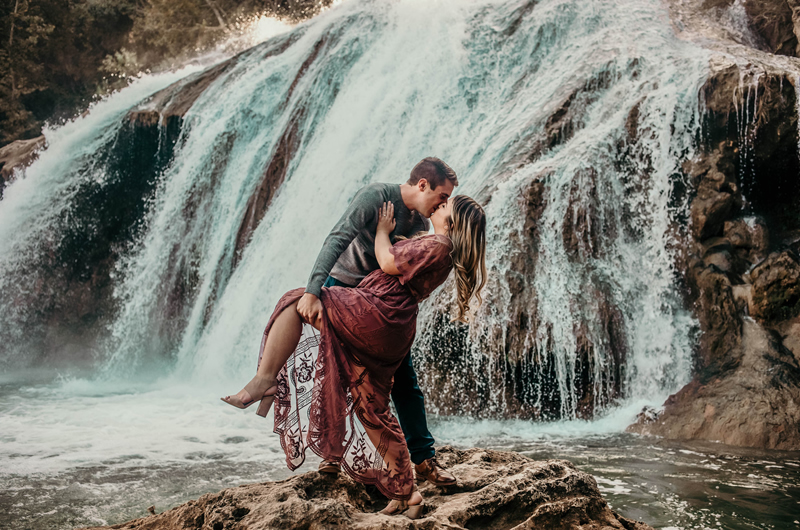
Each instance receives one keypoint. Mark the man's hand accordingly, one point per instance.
(310, 309)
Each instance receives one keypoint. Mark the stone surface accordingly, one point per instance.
(720, 322)
(717, 194)
(18, 155)
(497, 490)
(757, 404)
(749, 233)
(789, 331)
(772, 21)
(776, 287)
(172, 102)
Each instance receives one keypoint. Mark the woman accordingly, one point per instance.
(333, 388)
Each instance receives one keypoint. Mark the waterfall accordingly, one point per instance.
(595, 101)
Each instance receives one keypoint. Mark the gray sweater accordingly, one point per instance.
(348, 253)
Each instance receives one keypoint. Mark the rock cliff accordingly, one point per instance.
(741, 263)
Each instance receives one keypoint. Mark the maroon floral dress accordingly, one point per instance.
(333, 392)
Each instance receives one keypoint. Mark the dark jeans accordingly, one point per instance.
(409, 404)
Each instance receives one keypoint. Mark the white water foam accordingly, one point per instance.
(364, 113)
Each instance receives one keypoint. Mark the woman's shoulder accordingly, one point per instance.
(437, 238)
(437, 246)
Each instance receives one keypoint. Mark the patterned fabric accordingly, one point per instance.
(333, 392)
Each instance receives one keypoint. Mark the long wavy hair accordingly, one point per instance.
(467, 231)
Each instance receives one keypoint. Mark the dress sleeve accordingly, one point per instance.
(415, 256)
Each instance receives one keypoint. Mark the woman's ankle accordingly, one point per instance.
(416, 498)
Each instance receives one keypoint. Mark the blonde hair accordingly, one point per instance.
(467, 231)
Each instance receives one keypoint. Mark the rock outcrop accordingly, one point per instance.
(776, 288)
(755, 404)
(16, 156)
(495, 490)
(742, 267)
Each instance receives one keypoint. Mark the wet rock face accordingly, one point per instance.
(495, 490)
(751, 128)
(63, 300)
(508, 375)
(772, 20)
(746, 381)
(16, 156)
(776, 287)
(756, 404)
(720, 323)
(717, 194)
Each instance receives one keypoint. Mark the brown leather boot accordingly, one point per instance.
(331, 468)
(433, 472)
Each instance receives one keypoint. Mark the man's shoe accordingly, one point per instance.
(433, 472)
(332, 468)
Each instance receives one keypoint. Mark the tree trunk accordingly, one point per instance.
(217, 13)
(10, 44)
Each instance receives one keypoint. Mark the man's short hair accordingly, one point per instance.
(434, 171)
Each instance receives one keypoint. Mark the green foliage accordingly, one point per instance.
(56, 55)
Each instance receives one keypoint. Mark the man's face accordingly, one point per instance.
(431, 199)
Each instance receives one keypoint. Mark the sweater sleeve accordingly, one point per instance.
(362, 211)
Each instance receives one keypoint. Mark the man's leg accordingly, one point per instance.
(410, 406)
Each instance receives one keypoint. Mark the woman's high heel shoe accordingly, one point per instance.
(258, 389)
(413, 511)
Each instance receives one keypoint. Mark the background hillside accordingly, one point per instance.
(57, 55)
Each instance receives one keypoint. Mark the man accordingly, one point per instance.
(348, 256)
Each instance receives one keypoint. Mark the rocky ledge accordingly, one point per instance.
(755, 404)
(496, 490)
(17, 156)
(740, 255)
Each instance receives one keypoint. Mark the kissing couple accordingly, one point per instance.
(334, 352)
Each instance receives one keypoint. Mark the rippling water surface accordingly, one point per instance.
(77, 454)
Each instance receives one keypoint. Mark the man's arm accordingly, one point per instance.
(360, 213)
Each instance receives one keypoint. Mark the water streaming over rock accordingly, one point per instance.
(594, 102)
(149, 249)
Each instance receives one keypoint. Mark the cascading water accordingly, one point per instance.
(609, 207)
(581, 315)
(482, 103)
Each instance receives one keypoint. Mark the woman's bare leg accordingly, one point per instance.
(281, 342)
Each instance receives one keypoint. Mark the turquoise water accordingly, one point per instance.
(78, 454)
(476, 84)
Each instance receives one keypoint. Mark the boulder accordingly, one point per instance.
(747, 233)
(789, 330)
(749, 239)
(720, 322)
(713, 204)
(721, 260)
(755, 405)
(17, 155)
(495, 490)
(776, 287)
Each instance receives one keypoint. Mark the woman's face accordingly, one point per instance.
(440, 216)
